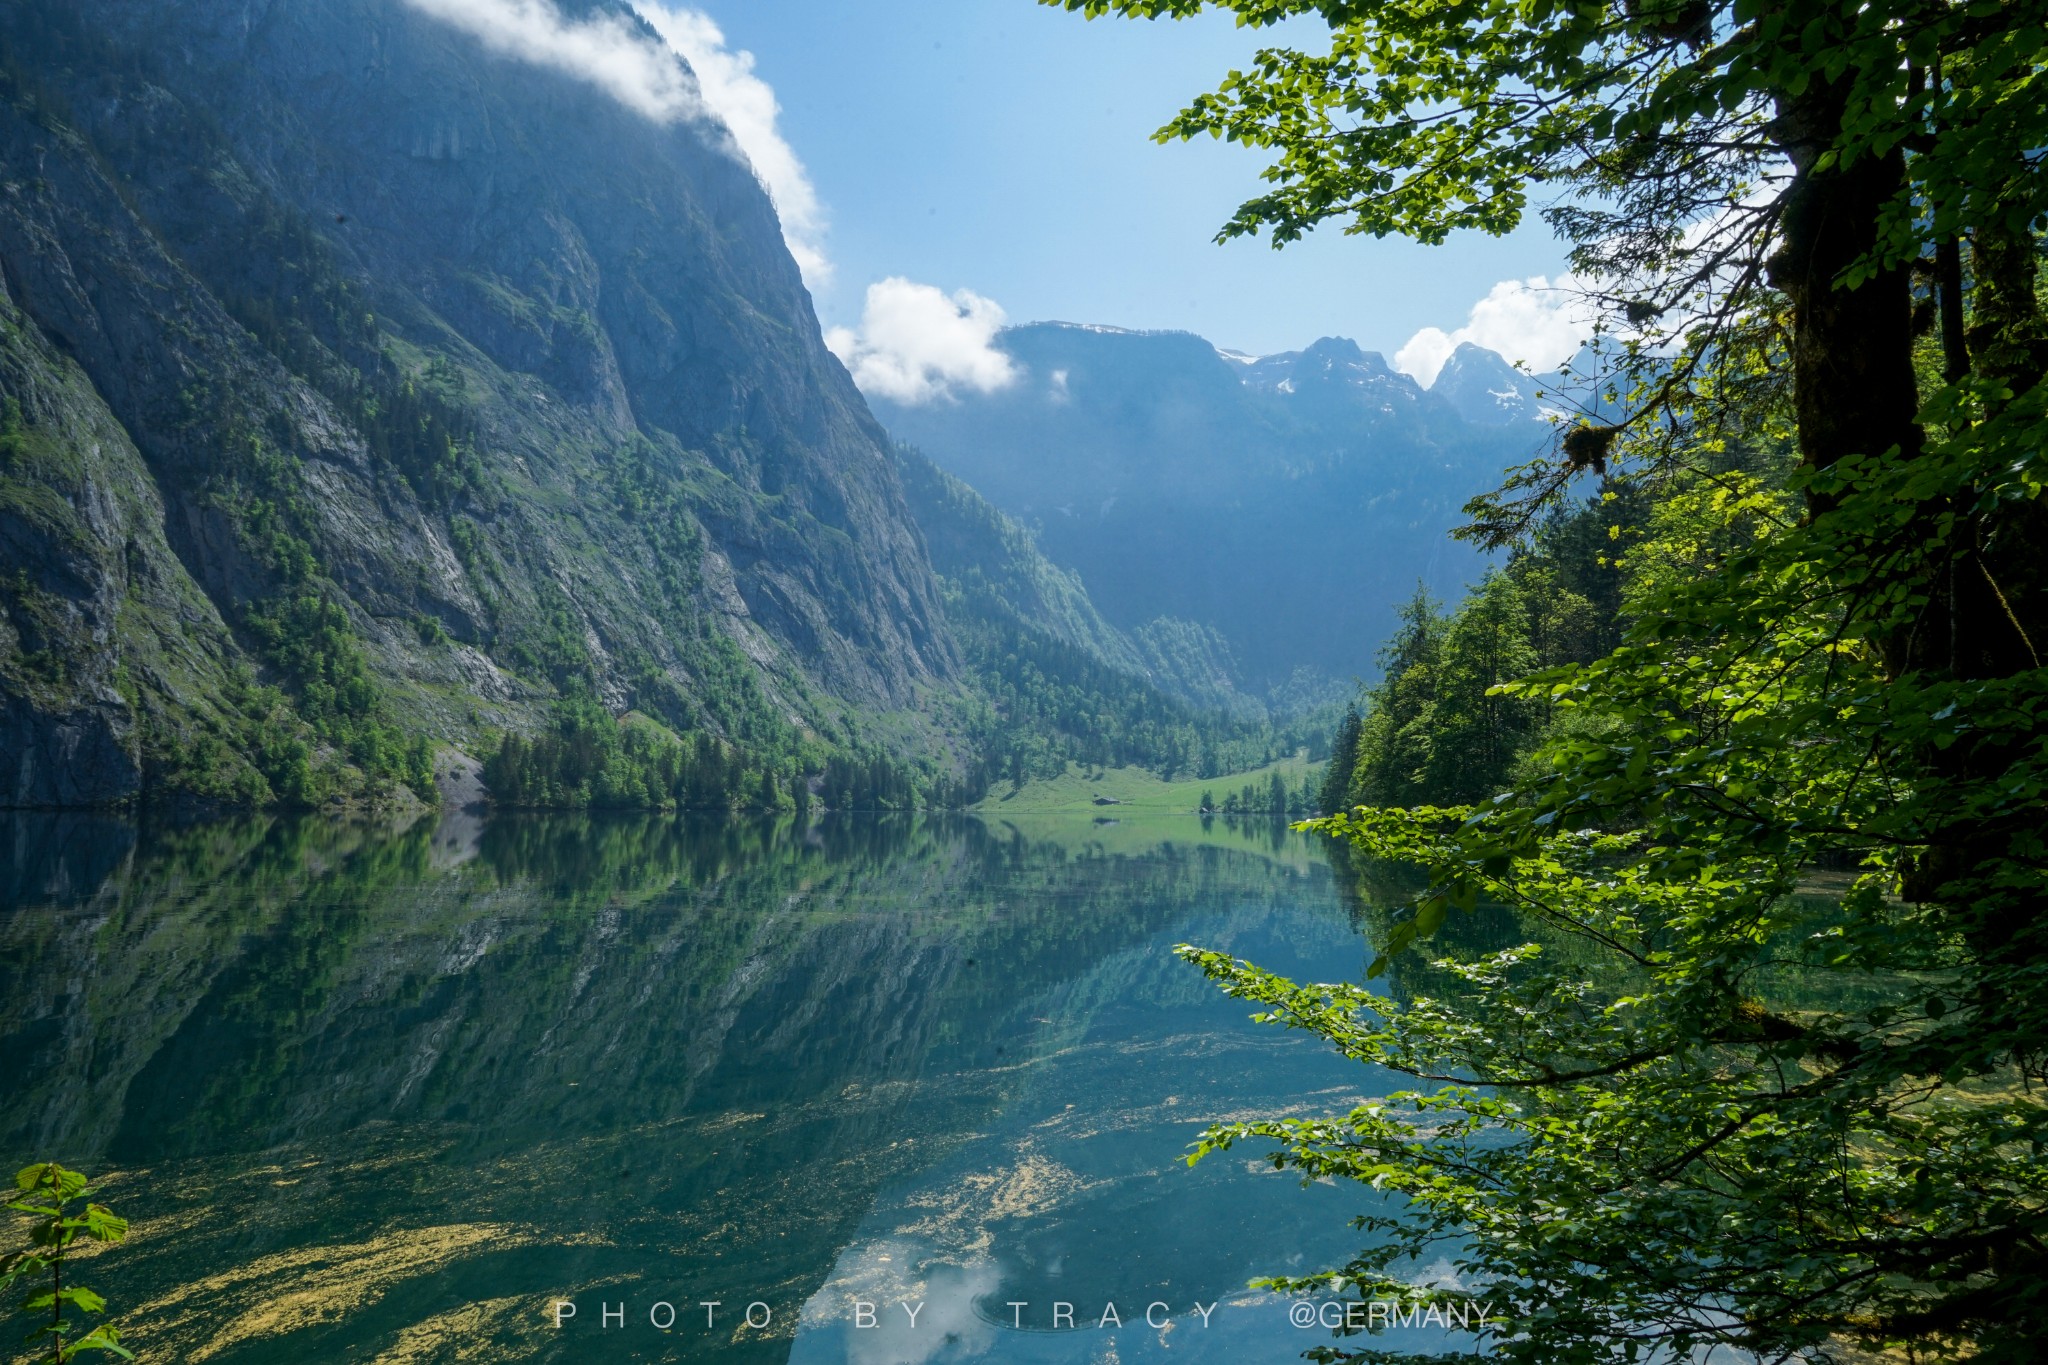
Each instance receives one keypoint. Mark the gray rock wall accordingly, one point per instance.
(225, 223)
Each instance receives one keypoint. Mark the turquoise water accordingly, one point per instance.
(398, 1096)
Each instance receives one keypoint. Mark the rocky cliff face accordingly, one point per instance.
(345, 356)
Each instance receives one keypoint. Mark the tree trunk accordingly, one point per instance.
(1852, 349)
(1983, 577)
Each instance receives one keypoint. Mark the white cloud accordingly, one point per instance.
(917, 343)
(644, 75)
(1537, 321)
(748, 106)
(604, 50)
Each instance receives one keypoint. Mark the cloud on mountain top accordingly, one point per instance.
(604, 49)
(917, 344)
(1537, 321)
(749, 109)
(643, 74)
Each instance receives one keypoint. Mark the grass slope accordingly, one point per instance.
(1130, 789)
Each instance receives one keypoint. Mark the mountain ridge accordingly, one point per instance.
(370, 395)
(1182, 481)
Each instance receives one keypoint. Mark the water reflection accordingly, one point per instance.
(391, 1095)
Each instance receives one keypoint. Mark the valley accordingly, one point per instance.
(306, 501)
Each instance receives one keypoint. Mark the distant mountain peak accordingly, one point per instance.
(1327, 362)
(1100, 328)
(1485, 389)
(1339, 351)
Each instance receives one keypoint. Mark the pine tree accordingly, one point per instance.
(1336, 789)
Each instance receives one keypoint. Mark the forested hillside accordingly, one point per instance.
(1054, 683)
(1433, 728)
(1739, 765)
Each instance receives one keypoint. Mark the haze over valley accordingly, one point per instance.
(1197, 485)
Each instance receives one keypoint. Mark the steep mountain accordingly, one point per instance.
(1485, 390)
(971, 542)
(996, 571)
(1049, 681)
(362, 385)
(365, 394)
(1287, 502)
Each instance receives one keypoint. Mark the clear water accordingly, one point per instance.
(398, 1096)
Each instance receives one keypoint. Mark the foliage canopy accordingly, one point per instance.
(1699, 1108)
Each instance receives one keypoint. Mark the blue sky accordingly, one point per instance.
(991, 160)
(1004, 147)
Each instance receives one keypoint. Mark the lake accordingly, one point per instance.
(886, 1090)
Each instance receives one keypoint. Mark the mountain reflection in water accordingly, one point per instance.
(393, 1096)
